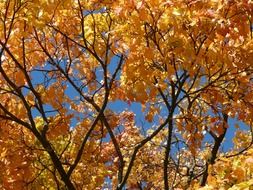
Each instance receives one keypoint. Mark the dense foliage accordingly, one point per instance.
(136, 94)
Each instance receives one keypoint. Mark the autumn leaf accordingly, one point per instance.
(126, 94)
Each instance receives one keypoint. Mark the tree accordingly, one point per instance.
(65, 65)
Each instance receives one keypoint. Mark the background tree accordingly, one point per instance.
(66, 65)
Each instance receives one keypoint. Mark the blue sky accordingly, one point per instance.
(119, 106)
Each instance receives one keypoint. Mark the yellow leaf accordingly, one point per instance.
(176, 12)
